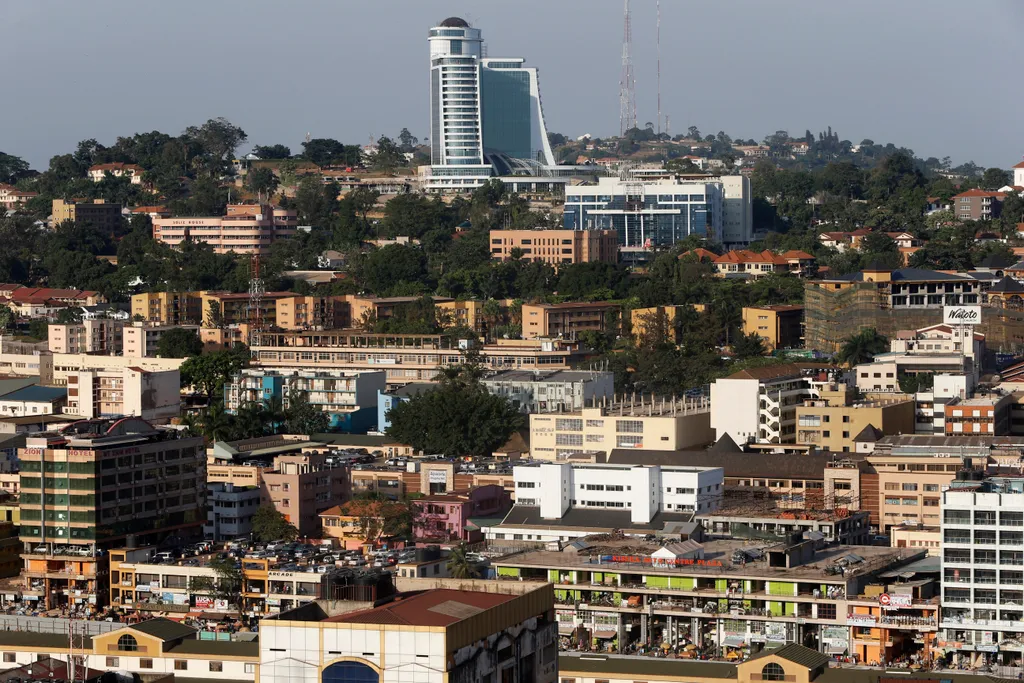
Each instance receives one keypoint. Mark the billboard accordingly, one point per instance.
(961, 315)
(894, 601)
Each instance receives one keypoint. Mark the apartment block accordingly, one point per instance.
(554, 391)
(246, 229)
(304, 485)
(978, 205)
(142, 340)
(313, 313)
(99, 335)
(91, 487)
(644, 321)
(781, 327)
(569, 319)
(655, 425)
(989, 415)
(833, 419)
(153, 395)
(556, 247)
(229, 510)
(349, 398)
(220, 309)
(168, 308)
(97, 213)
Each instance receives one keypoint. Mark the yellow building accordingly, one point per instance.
(168, 308)
(641, 318)
(568, 320)
(781, 327)
(97, 213)
(832, 421)
(468, 313)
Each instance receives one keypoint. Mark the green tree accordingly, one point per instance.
(748, 345)
(407, 140)
(210, 371)
(459, 565)
(302, 417)
(272, 151)
(228, 580)
(388, 156)
(262, 182)
(315, 202)
(994, 178)
(270, 525)
(69, 315)
(6, 317)
(862, 347)
(12, 168)
(214, 423)
(179, 343)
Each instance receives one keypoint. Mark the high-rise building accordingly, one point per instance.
(485, 113)
(96, 485)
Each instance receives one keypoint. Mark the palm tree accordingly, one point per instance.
(459, 566)
(862, 347)
(216, 423)
(250, 420)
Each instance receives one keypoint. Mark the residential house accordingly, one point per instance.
(118, 169)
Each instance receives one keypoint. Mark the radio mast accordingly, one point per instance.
(627, 83)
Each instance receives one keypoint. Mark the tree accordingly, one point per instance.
(69, 315)
(12, 168)
(994, 178)
(388, 156)
(228, 580)
(272, 152)
(262, 182)
(217, 140)
(458, 418)
(459, 565)
(6, 317)
(326, 151)
(748, 345)
(877, 242)
(302, 417)
(179, 343)
(407, 140)
(862, 347)
(270, 525)
(210, 371)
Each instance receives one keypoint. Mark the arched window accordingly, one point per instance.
(127, 643)
(349, 672)
(773, 672)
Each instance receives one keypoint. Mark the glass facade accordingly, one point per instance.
(641, 219)
(506, 112)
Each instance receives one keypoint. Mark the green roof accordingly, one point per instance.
(30, 639)
(164, 629)
(638, 667)
(213, 648)
(798, 654)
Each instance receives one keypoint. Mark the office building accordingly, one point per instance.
(153, 395)
(562, 501)
(657, 424)
(646, 214)
(988, 415)
(246, 229)
(781, 327)
(229, 510)
(447, 630)
(555, 391)
(303, 485)
(556, 247)
(758, 405)
(569, 319)
(97, 213)
(982, 577)
(348, 398)
(833, 419)
(100, 335)
(116, 479)
(485, 115)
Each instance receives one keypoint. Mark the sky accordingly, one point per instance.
(923, 74)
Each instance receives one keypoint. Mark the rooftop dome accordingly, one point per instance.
(455, 22)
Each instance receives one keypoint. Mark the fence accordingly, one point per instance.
(56, 625)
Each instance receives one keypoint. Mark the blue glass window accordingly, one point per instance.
(680, 197)
(572, 198)
(350, 672)
(696, 197)
(456, 47)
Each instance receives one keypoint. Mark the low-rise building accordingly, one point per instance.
(978, 205)
(142, 340)
(229, 510)
(568, 320)
(989, 415)
(246, 229)
(98, 213)
(99, 335)
(33, 400)
(118, 169)
(781, 327)
(660, 320)
(449, 518)
(348, 398)
(556, 247)
(153, 395)
(833, 420)
(555, 391)
(659, 424)
(168, 308)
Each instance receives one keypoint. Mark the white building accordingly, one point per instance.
(560, 501)
(153, 395)
(486, 118)
(759, 405)
(1018, 174)
(737, 231)
(551, 391)
(229, 510)
(935, 349)
(983, 570)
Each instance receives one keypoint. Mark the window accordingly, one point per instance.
(250, 668)
(181, 665)
(568, 425)
(217, 667)
(145, 663)
(113, 662)
(629, 426)
(773, 672)
(625, 441)
(910, 487)
(9, 657)
(127, 643)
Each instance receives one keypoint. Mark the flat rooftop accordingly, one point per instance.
(544, 376)
(438, 607)
(874, 558)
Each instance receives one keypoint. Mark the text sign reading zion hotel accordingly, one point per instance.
(961, 315)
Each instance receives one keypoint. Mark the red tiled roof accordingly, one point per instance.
(980, 193)
(27, 294)
(797, 254)
(439, 607)
(150, 209)
(115, 166)
(1020, 165)
(747, 256)
(701, 253)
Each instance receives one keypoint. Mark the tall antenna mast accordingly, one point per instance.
(627, 84)
(658, 40)
(256, 291)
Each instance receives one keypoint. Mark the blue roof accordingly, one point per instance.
(36, 394)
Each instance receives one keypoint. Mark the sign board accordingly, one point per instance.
(775, 631)
(646, 559)
(834, 636)
(860, 620)
(961, 315)
(220, 605)
(894, 601)
(203, 602)
(437, 476)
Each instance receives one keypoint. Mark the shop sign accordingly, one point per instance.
(776, 632)
(203, 602)
(437, 476)
(646, 559)
(860, 620)
(220, 605)
(894, 601)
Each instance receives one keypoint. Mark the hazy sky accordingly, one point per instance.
(925, 74)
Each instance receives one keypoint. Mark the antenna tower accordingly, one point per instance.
(256, 291)
(658, 40)
(627, 84)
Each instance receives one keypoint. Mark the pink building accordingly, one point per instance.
(448, 518)
(246, 229)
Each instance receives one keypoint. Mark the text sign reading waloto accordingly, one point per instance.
(961, 315)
